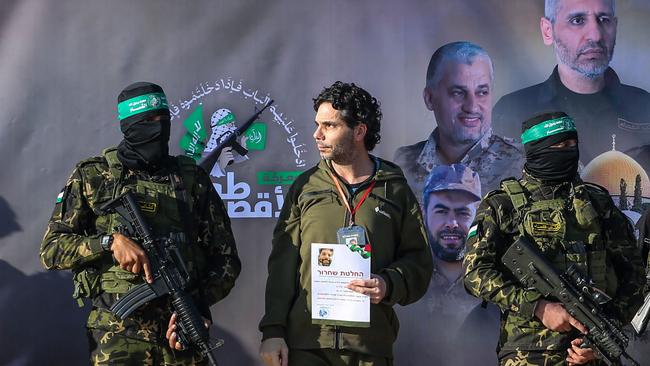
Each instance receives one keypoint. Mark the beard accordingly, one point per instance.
(448, 254)
(466, 136)
(590, 69)
(341, 151)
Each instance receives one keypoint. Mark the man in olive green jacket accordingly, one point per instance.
(380, 202)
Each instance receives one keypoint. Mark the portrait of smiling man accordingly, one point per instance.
(451, 195)
(583, 85)
(325, 256)
(458, 91)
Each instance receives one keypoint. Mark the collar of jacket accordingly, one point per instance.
(384, 170)
(430, 149)
(532, 184)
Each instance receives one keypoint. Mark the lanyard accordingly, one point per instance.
(345, 200)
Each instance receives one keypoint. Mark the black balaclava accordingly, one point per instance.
(145, 143)
(550, 165)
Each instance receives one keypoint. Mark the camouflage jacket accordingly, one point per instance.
(72, 239)
(429, 328)
(643, 227)
(497, 228)
(493, 157)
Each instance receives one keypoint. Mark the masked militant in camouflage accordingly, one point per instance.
(571, 223)
(178, 201)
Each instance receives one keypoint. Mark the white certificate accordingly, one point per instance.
(333, 266)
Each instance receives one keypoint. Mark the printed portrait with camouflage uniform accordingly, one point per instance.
(178, 202)
(451, 196)
(458, 91)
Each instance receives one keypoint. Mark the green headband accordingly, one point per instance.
(548, 128)
(140, 104)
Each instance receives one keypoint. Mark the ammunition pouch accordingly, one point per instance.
(567, 230)
(545, 222)
(86, 284)
(585, 212)
(109, 278)
(171, 205)
(118, 281)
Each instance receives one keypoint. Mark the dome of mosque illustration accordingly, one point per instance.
(608, 168)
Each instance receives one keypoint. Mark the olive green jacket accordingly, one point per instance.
(312, 213)
(609, 241)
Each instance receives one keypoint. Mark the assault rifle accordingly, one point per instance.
(229, 139)
(640, 320)
(170, 277)
(575, 291)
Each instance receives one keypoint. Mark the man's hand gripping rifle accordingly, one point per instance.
(575, 292)
(170, 277)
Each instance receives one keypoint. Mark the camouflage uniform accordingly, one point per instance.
(449, 298)
(72, 241)
(446, 304)
(612, 260)
(444, 307)
(643, 227)
(493, 157)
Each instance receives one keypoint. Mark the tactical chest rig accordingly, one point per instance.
(167, 207)
(567, 230)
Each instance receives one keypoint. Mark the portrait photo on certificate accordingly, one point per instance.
(333, 267)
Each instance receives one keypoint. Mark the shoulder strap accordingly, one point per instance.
(115, 168)
(517, 196)
(516, 193)
(596, 187)
(183, 182)
(186, 168)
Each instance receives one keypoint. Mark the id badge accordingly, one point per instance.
(352, 235)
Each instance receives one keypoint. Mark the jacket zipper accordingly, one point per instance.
(350, 198)
(337, 337)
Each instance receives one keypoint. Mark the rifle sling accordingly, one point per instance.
(183, 204)
(189, 227)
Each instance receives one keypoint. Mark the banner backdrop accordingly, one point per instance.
(64, 62)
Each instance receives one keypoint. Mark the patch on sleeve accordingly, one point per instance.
(59, 198)
(472, 231)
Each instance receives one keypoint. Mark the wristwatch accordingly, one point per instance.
(106, 241)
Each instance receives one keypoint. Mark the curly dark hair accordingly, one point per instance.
(355, 106)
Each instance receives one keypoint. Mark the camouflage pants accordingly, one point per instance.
(332, 357)
(534, 358)
(109, 348)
